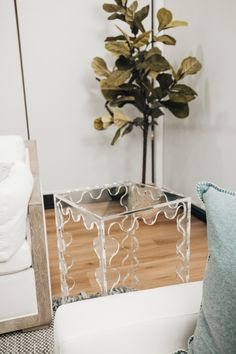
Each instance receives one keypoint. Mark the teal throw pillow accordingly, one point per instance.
(215, 332)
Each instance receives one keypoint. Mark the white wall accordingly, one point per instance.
(203, 146)
(59, 40)
(159, 130)
(12, 114)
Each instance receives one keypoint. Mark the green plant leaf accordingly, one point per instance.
(180, 110)
(116, 17)
(152, 52)
(116, 38)
(189, 66)
(128, 87)
(140, 101)
(107, 121)
(133, 7)
(98, 125)
(156, 112)
(138, 122)
(174, 74)
(157, 63)
(148, 85)
(165, 80)
(121, 2)
(141, 40)
(139, 26)
(108, 90)
(152, 74)
(157, 93)
(123, 63)
(182, 93)
(166, 39)
(100, 67)
(138, 18)
(110, 7)
(128, 129)
(130, 12)
(121, 101)
(173, 24)
(116, 136)
(156, 104)
(118, 48)
(118, 77)
(142, 14)
(164, 17)
(140, 65)
(120, 119)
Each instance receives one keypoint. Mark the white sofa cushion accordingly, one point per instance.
(12, 148)
(5, 168)
(154, 321)
(15, 193)
(21, 260)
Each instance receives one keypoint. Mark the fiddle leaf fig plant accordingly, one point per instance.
(141, 76)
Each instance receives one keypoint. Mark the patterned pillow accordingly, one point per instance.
(215, 332)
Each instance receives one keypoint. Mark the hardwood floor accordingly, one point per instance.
(156, 254)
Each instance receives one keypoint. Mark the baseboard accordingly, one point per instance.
(48, 201)
(196, 211)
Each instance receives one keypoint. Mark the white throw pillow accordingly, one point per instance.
(12, 148)
(5, 168)
(15, 191)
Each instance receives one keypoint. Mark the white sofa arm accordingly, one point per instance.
(155, 321)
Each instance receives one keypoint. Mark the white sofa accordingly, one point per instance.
(154, 321)
(24, 272)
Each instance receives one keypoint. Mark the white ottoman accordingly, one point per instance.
(154, 321)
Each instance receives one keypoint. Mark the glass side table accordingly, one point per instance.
(122, 206)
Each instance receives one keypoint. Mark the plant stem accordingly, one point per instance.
(145, 136)
(153, 150)
(153, 124)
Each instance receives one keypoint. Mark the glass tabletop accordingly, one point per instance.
(118, 199)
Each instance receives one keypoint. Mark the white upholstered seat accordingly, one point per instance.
(155, 321)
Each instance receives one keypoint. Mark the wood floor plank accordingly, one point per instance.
(156, 254)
